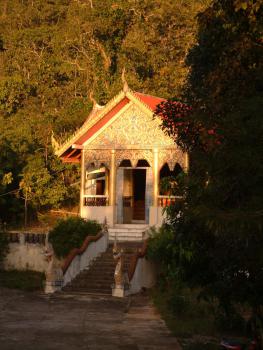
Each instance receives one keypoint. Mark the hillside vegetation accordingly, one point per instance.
(58, 55)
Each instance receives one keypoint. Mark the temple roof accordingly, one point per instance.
(149, 100)
(100, 116)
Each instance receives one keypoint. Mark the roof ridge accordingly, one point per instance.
(90, 122)
(143, 102)
(142, 93)
(96, 114)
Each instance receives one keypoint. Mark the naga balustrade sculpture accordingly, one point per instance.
(54, 274)
(118, 274)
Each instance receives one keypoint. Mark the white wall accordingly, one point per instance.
(157, 216)
(25, 256)
(144, 276)
(99, 214)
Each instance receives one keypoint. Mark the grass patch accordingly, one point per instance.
(198, 324)
(184, 314)
(190, 320)
(23, 280)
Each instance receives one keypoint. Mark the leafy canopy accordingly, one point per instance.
(219, 226)
(53, 56)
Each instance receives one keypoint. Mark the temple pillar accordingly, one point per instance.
(82, 182)
(155, 177)
(112, 198)
(148, 193)
(120, 194)
(155, 213)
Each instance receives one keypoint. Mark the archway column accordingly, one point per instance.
(112, 198)
(155, 176)
(82, 182)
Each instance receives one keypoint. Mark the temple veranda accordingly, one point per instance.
(123, 155)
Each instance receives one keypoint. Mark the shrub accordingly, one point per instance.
(70, 233)
(160, 240)
(161, 249)
(231, 321)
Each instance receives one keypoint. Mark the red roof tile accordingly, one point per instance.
(69, 155)
(149, 100)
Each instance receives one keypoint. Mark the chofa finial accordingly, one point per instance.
(91, 97)
(96, 105)
(124, 81)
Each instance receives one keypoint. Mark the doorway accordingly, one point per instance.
(134, 188)
(139, 186)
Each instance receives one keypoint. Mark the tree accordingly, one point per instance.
(219, 229)
(54, 55)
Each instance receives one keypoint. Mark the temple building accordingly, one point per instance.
(124, 154)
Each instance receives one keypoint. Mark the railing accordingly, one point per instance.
(134, 260)
(25, 250)
(13, 237)
(95, 200)
(81, 258)
(141, 272)
(26, 237)
(165, 201)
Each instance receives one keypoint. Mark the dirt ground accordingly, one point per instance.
(31, 321)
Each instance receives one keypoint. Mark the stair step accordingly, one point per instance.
(90, 285)
(82, 293)
(135, 226)
(99, 277)
(119, 229)
(90, 290)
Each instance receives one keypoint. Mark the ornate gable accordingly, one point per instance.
(134, 128)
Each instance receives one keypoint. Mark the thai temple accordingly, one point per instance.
(124, 154)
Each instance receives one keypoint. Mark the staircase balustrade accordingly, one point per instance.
(81, 258)
(165, 201)
(96, 200)
(141, 272)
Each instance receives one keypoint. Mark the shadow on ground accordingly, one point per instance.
(35, 321)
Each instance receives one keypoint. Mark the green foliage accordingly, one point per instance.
(230, 322)
(24, 280)
(13, 92)
(53, 55)
(218, 228)
(70, 233)
(185, 315)
(161, 249)
(40, 185)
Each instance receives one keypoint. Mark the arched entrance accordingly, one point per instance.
(167, 177)
(96, 186)
(132, 204)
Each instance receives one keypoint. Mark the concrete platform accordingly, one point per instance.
(34, 321)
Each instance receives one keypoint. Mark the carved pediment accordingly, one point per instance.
(133, 127)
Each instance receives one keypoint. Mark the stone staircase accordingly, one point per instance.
(99, 278)
(127, 232)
